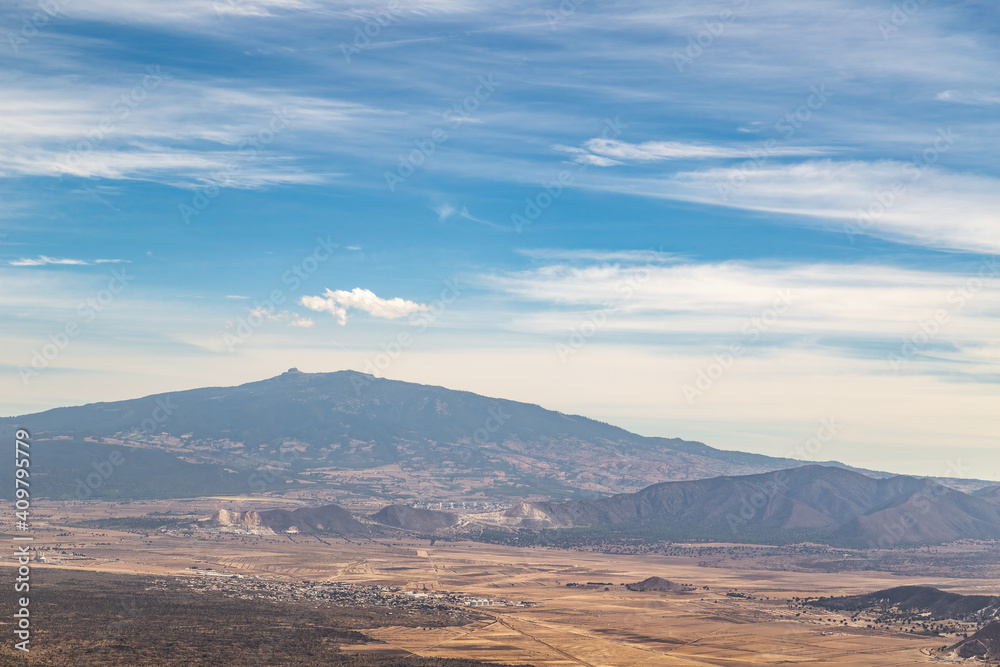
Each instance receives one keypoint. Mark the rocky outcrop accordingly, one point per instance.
(324, 519)
(985, 644)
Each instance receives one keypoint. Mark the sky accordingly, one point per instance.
(766, 226)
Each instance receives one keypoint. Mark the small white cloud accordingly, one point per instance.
(468, 216)
(354, 247)
(338, 302)
(112, 261)
(581, 156)
(303, 322)
(266, 315)
(236, 296)
(444, 211)
(595, 160)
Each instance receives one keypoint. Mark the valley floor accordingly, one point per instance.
(520, 608)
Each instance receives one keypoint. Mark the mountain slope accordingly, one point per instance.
(817, 503)
(985, 644)
(935, 603)
(443, 440)
(409, 518)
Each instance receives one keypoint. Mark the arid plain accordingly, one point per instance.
(541, 606)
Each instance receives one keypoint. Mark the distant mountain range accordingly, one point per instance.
(810, 503)
(376, 437)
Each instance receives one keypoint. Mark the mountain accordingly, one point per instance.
(324, 519)
(325, 428)
(80, 470)
(409, 518)
(658, 585)
(984, 644)
(810, 503)
(935, 603)
(384, 438)
(991, 494)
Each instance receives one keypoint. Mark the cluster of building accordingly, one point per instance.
(339, 593)
(468, 505)
(459, 599)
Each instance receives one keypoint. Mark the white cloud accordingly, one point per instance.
(338, 302)
(581, 156)
(973, 97)
(911, 202)
(236, 296)
(266, 315)
(600, 152)
(444, 211)
(687, 304)
(629, 256)
(43, 260)
(205, 15)
(180, 132)
(595, 160)
(651, 151)
(464, 213)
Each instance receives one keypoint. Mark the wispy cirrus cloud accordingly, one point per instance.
(269, 315)
(45, 260)
(913, 202)
(199, 15)
(148, 129)
(654, 151)
(596, 255)
(972, 97)
(838, 309)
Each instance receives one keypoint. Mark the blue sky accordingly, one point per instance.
(723, 221)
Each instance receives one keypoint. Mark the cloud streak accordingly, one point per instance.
(915, 202)
(45, 260)
(654, 151)
(847, 306)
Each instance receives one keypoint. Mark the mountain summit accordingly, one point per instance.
(431, 438)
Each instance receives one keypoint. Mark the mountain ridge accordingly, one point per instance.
(817, 503)
(414, 439)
